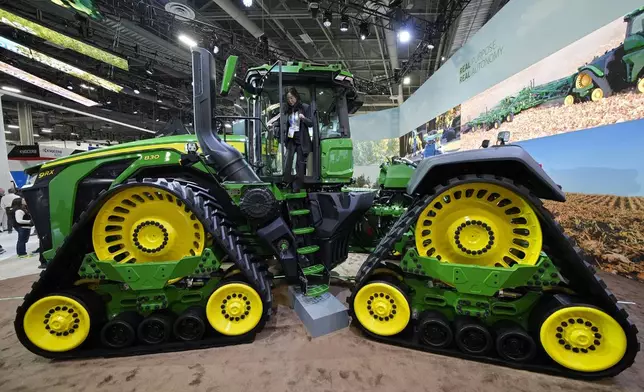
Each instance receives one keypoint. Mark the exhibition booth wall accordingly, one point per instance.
(497, 67)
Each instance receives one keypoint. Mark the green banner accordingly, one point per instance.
(61, 40)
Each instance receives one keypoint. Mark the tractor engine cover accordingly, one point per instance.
(259, 204)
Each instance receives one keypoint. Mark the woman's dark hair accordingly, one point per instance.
(298, 102)
(16, 204)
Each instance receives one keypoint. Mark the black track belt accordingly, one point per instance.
(560, 248)
(62, 270)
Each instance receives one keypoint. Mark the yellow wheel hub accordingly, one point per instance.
(479, 223)
(583, 80)
(146, 224)
(569, 100)
(57, 323)
(234, 309)
(583, 338)
(640, 85)
(382, 308)
(597, 94)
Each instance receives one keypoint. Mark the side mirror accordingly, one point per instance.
(229, 75)
(503, 137)
(485, 144)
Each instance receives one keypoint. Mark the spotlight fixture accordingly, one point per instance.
(215, 49)
(364, 30)
(328, 17)
(187, 40)
(136, 90)
(247, 3)
(404, 35)
(406, 80)
(11, 89)
(442, 58)
(149, 68)
(344, 23)
(70, 86)
(430, 46)
(314, 7)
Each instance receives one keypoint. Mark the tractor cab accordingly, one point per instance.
(330, 93)
(635, 25)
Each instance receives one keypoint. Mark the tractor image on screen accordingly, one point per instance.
(617, 69)
(174, 243)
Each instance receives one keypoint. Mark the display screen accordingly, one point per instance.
(59, 65)
(36, 81)
(61, 40)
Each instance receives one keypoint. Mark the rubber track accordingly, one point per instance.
(560, 248)
(62, 270)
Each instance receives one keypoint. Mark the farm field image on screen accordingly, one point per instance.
(609, 228)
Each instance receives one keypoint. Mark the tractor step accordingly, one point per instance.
(317, 290)
(316, 269)
(308, 249)
(299, 195)
(299, 212)
(303, 230)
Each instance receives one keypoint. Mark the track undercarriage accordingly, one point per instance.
(492, 278)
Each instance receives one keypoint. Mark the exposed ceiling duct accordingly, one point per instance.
(246, 23)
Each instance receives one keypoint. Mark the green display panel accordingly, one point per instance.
(59, 39)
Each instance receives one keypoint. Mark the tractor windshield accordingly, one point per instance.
(635, 25)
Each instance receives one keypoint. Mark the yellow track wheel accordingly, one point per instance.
(597, 94)
(145, 224)
(583, 338)
(57, 323)
(583, 80)
(382, 308)
(640, 85)
(479, 223)
(234, 309)
(569, 100)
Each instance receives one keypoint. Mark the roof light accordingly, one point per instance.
(12, 126)
(406, 80)
(344, 24)
(404, 36)
(189, 41)
(11, 89)
(328, 18)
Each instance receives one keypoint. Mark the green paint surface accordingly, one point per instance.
(229, 75)
(337, 159)
(394, 175)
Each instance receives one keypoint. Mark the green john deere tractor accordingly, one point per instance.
(165, 244)
(617, 69)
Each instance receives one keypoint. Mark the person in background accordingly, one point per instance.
(296, 134)
(6, 204)
(3, 218)
(23, 225)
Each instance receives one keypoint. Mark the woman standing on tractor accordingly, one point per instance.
(296, 135)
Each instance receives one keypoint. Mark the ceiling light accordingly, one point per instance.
(328, 18)
(215, 49)
(45, 130)
(227, 125)
(241, 97)
(406, 80)
(83, 85)
(344, 23)
(314, 7)
(443, 58)
(73, 134)
(149, 68)
(404, 36)
(187, 40)
(430, 46)
(92, 88)
(364, 30)
(12, 89)
(70, 86)
(247, 3)
(157, 120)
(159, 100)
(12, 126)
(108, 102)
(36, 135)
(7, 132)
(136, 90)
(135, 112)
